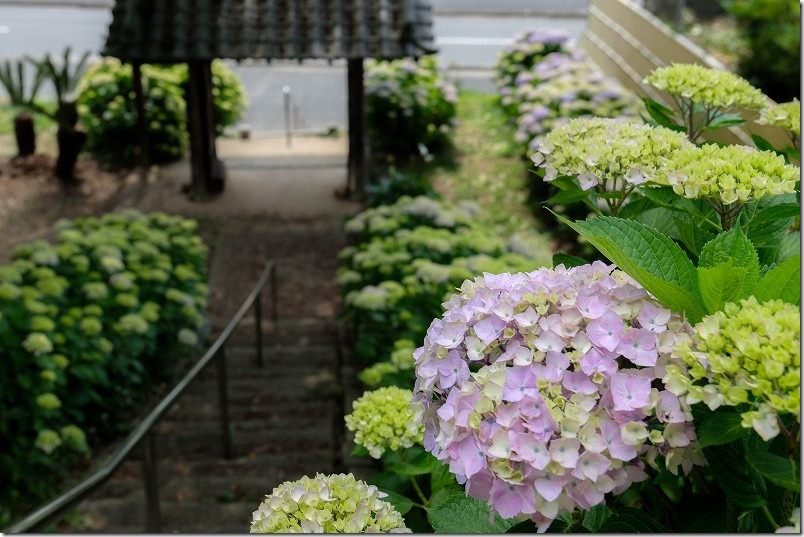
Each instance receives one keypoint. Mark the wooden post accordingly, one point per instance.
(207, 169)
(143, 156)
(358, 166)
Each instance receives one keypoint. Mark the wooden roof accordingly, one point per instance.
(180, 30)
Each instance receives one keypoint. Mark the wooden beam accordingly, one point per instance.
(207, 169)
(358, 162)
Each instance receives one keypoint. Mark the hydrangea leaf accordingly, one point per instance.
(400, 503)
(725, 120)
(783, 281)
(781, 471)
(463, 514)
(568, 261)
(740, 482)
(691, 234)
(595, 517)
(769, 218)
(733, 244)
(722, 284)
(423, 463)
(631, 520)
(719, 428)
(660, 219)
(652, 259)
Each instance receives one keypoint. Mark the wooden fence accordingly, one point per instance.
(627, 42)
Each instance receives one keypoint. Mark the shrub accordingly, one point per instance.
(526, 50)
(410, 107)
(772, 31)
(108, 111)
(86, 324)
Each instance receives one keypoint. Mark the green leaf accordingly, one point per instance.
(568, 261)
(725, 120)
(652, 259)
(636, 205)
(423, 463)
(722, 284)
(691, 234)
(662, 115)
(762, 143)
(594, 518)
(733, 244)
(783, 211)
(720, 428)
(783, 281)
(441, 478)
(631, 520)
(400, 503)
(463, 514)
(660, 219)
(359, 450)
(765, 224)
(778, 470)
(740, 482)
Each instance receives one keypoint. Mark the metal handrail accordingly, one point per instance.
(49, 511)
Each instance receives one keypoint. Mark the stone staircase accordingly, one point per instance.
(286, 422)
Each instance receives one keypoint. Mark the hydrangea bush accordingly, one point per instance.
(336, 503)
(411, 99)
(525, 50)
(107, 109)
(539, 389)
(86, 325)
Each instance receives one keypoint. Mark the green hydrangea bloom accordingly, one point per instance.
(74, 437)
(188, 337)
(37, 344)
(90, 326)
(747, 353)
(730, 174)
(95, 290)
(711, 88)
(786, 116)
(373, 375)
(40, 323)
(382, 419)
(132, 323)
(48, 375)
(48, 440)
(337, 503)
(48, 401)
(607, 153)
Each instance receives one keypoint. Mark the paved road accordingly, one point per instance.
(468, 44)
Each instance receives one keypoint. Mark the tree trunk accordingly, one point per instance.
(71, 141)
(25, 134)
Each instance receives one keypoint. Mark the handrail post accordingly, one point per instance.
(274, 299)
(258, 326)
(223, 398)
(153, 523)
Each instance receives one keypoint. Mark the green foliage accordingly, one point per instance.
(772, 32)
(86, 326)
(410, 107)
(463, 514)
(108, 109)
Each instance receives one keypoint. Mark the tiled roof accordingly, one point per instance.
(180, 30)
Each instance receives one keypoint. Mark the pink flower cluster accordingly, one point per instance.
(539, 390)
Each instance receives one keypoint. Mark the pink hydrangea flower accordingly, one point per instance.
(537, 389)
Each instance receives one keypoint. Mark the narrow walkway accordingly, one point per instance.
(286, 417)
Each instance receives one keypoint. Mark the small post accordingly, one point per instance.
(258, 326)
(288, 124)
(357, 162)
(274, 299)
(223, 399)
(153, 523)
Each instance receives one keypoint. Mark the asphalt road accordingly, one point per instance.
(467, 36)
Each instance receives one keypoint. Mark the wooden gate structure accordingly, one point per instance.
(198, 31)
